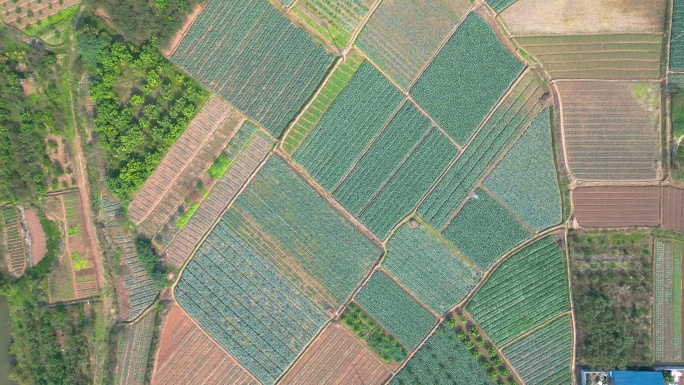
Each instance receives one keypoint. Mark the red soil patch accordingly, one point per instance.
(673, 208)
(181, 32)
(337, 357)
(37, 235)
(186, 355)
(611, 207)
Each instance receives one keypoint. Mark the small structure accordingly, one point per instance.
(637, 378)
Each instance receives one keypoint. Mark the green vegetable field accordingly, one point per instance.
(677, 37)
(466, 79)
(395, 310)
(544, 356)
(528, 174)
(529, 288)
(428, 267)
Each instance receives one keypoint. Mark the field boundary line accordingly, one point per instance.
(434, 123)
(362, 25)
(409, 292)
(508, 209)
(534, 329)
(440, 321)
(515, 36)
(572, 304)
(448, 244)
(369, 145)
(630, 81)
(564, 145)
(378, 324)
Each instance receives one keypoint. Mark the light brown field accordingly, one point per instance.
(337, 357)
(584, 16)
(186, 356)
(37, 235)
(611, 207)
(673, 209)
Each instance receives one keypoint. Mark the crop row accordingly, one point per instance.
(334, 20)
(504, 126)
(134, 351)
(296, 230)
(351, 122)
(218, 199)
(80, 246)
(545, 355)
(443, 359)
(331, 90)
(528, 174)
(667, 301)
(13, 241)
(429, 268)
(466, 79)
(500, 5)
(395, 310)
(402, 192)
(402, 36)
(527, 289)
(483, 230)
(677, 38)
(255, 58)
(246, 305)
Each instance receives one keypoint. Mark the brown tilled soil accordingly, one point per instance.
(529, 17)
(37, 236)
(337, 357)
(613, 207)
(181, 32)
(188, 356)
(673, 208)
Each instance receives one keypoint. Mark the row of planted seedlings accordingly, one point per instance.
(482, 349)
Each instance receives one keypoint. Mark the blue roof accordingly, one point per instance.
(637, 378)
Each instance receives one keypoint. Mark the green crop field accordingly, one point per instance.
(133, 351)
(348, 126)
(544, 357)
(399, 196)
(242, 50)
(466, 79)
(500, 5)
(299, 233)
(677, 37)
(443, 359)
(429, 268)
(528, 174)
(335, 21)
(667, 300)
(387, 153)
(331, 89)
(483, 230)
(526, 290)
(505, 125)
(395, 310)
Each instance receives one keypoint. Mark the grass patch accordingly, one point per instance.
(220, 166)
(78, 260)
(187, 215)
(73, 231)
(380, 342)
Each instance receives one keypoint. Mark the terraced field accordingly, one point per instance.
(134, 351)
(13, 249)
(24, 13)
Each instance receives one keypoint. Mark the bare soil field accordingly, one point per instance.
(337, 357)
(611, 130)
(37, 236)
(584, 16)
(23, 13)
(61, 156)
(188, 356)
(673, 208)
(612, 207)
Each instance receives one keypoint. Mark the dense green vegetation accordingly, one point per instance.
(678, 132)
(31, 106)
(150, 261)
(140, 20)
(143, 105)
(612, 289)
(368, 330)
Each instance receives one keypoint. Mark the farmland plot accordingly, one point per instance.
(429, 267)
(351, 122)
(544, 357)
(251, 55)
(443, 359)
(503, 128)
(23, 13)
(187, 356)
(673, 208)
(483, 230)
(526, 290)
(612, 207)
(215, 203)
(500, 5)
(337, 20)
(611, 131)
(13, 249)
(466, 79)
(301, 235)
(337, 357)
(178, 172)
(667, 301)
(134, 351)
(528, 174)
(401, 37)
(624, 56)
(395, 310)
(339, 79)
(677, 37)
(246, 305)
